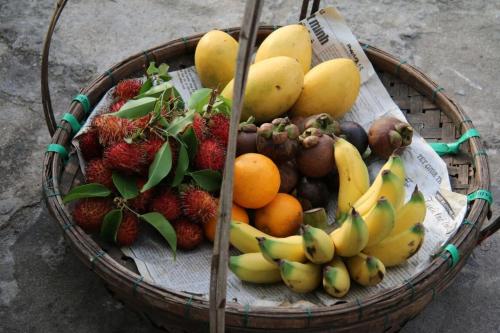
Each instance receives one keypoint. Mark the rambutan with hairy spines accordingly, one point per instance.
(218, 128)
(97, 172)
(189, 234)
(116, 106)
(199, 127)
(141, 202)
(151, 147)
(210, 155)
(128, 230)
(127, 89)
(89, 213)
(89, 144)
(167, 203)
(125, 157)
(198, 205)
(112, 129)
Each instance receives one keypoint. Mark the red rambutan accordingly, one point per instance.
(127, 89)
(128, 158)
(189, 234)
(142, 122)
(128, 230)
(199, 127)
(218, 128)
(89, 144)
(90, 212)
(115, 107)
(151, 147)
(141, 202)
(210, 155)
(112, 129)
(198, 205)
(97, 172)
(168, 204)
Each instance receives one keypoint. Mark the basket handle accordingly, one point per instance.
(46, 102)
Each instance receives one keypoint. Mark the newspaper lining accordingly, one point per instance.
(331, 38)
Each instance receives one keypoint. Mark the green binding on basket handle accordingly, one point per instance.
(452, 148)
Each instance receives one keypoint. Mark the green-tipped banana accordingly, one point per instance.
(392, 188)
(396, 165)
(336, 280)
(354, 180)
(243, 237)
(379, 221)
(366, 270)
(317, 244)
(301, 278)
(411, 213)
(351, 237)
(289, 248)
(396, 249)
(252, 267)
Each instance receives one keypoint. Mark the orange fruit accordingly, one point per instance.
(256, 180)
(237, 214)
(282, 217)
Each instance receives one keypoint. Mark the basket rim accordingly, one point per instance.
(109, 269)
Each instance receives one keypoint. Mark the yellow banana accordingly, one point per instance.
(317, 244)
(379, 221)
(336, 280)
(252, 267)
(411, 213)
(351, 237)
(397, 249)
(366, 270)
(396, 165)
(354, 180)
(301, 278)
(243, 237)
(392, 188)
(289, 248)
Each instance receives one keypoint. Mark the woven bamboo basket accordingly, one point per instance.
(430, 111)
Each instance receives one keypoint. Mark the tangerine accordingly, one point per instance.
(282, 217)
(237, 214)
(256, 180)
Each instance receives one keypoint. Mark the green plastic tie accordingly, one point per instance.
(185, 41)
(57, 148)
(187, 307)
(98, 255)
(309, 315)
(454, 254)
(365, 47)
(435, 91)
(442, 148)
(64, 129)
(246, 309)
(275, 27)
(74, 123)
(386, 321)
(136, 284)
(433, 293)
(411, 287)
(109, 73)
(469, 223)
(145, 53)
(480, 152)
(398, 67)
(84, 101)
(360, 310)
(68, 226)
(481, 194)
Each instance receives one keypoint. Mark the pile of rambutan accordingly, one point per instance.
(152, 164)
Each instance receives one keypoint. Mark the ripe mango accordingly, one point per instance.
(273, 86)
(215, 59)
(330, 87)
(291, 41)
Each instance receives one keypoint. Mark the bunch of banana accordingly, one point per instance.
(336, 279)
(317, 244)
(354, 180)
(351, 237)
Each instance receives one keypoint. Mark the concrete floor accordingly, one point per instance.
(44, 288)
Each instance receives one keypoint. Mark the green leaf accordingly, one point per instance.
(160, 167)
(136, 108)
(190, 140)
(182, 166)
(163, 69)
(199, 99)
(179, 102)
(209, 180)
(179, 124)
(145, 87)
(156, 91)
(152, 69)
(92, 190)
(160, 223)
(127, 186)
(110, 225)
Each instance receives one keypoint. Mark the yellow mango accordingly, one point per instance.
(330, 87)
(291, 41)
(273, 86)
(215, 59)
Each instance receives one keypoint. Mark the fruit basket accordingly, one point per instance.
(427, 108)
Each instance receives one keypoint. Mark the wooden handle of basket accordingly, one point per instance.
(46, 103)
